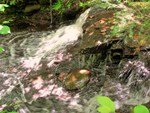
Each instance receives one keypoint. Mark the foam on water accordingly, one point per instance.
(56, 41)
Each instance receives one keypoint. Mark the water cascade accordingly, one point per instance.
(28, 49)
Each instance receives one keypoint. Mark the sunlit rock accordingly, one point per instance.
(77, 79)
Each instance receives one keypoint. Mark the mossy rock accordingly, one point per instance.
(76, 79)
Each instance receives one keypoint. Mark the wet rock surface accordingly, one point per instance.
(76, 79)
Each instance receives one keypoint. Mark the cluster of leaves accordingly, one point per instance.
(108, 106)
(60, 6)
(11, 2)
(3, 28)
(85, 4)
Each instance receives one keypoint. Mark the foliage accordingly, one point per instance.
(133, 25)
(140, 109)
(3, 29)
(60, 6)
(8, 112)
(84, 4)
(106, 105)
(2, 7)
(97, 3)
(11, 2)
(1, 50)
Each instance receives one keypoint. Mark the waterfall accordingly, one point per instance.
(56, 41)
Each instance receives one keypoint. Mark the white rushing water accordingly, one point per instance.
(56, 41)
(25, 51)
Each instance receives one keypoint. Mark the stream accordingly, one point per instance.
(28, 49)
(33, 62)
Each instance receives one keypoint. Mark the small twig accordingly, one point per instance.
(22, 90)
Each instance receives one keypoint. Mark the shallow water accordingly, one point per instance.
(28, 50)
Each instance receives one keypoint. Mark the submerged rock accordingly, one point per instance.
(77, 79)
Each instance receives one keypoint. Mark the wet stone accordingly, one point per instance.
(76, 79)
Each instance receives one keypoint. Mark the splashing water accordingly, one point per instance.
(27, 51)
(35, 47)
(54, 42)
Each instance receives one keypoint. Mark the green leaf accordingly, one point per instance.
(81, 4)
(1, 50)
(4, 29)
(5, 111)
(140, 109)
(2, 7)
(7, 22)
(57, 6)
(104, 109)
(106, 103)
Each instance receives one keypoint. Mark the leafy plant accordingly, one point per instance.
(2, 7)
(140, 109)
(3, 29)
(106, 105)
(1, 50)
(60, 6)
(11, 2)
(8, 111)
(84, 4)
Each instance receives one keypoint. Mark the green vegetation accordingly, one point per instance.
(140, 109)
(132, 24)
(2, 7)
(1, 50)
(8, 112)
(11, 2)
(108, 106)
(60, 6)
(3, 28)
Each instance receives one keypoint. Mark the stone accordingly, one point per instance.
(77, 79)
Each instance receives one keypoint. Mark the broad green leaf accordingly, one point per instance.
(140, 109)
(4, 29)
(7, 22)
(2, 7)
(1, 50)
(104, 109)
(8, 112)
(107, 102)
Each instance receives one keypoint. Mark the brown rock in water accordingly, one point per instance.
(77, 79)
